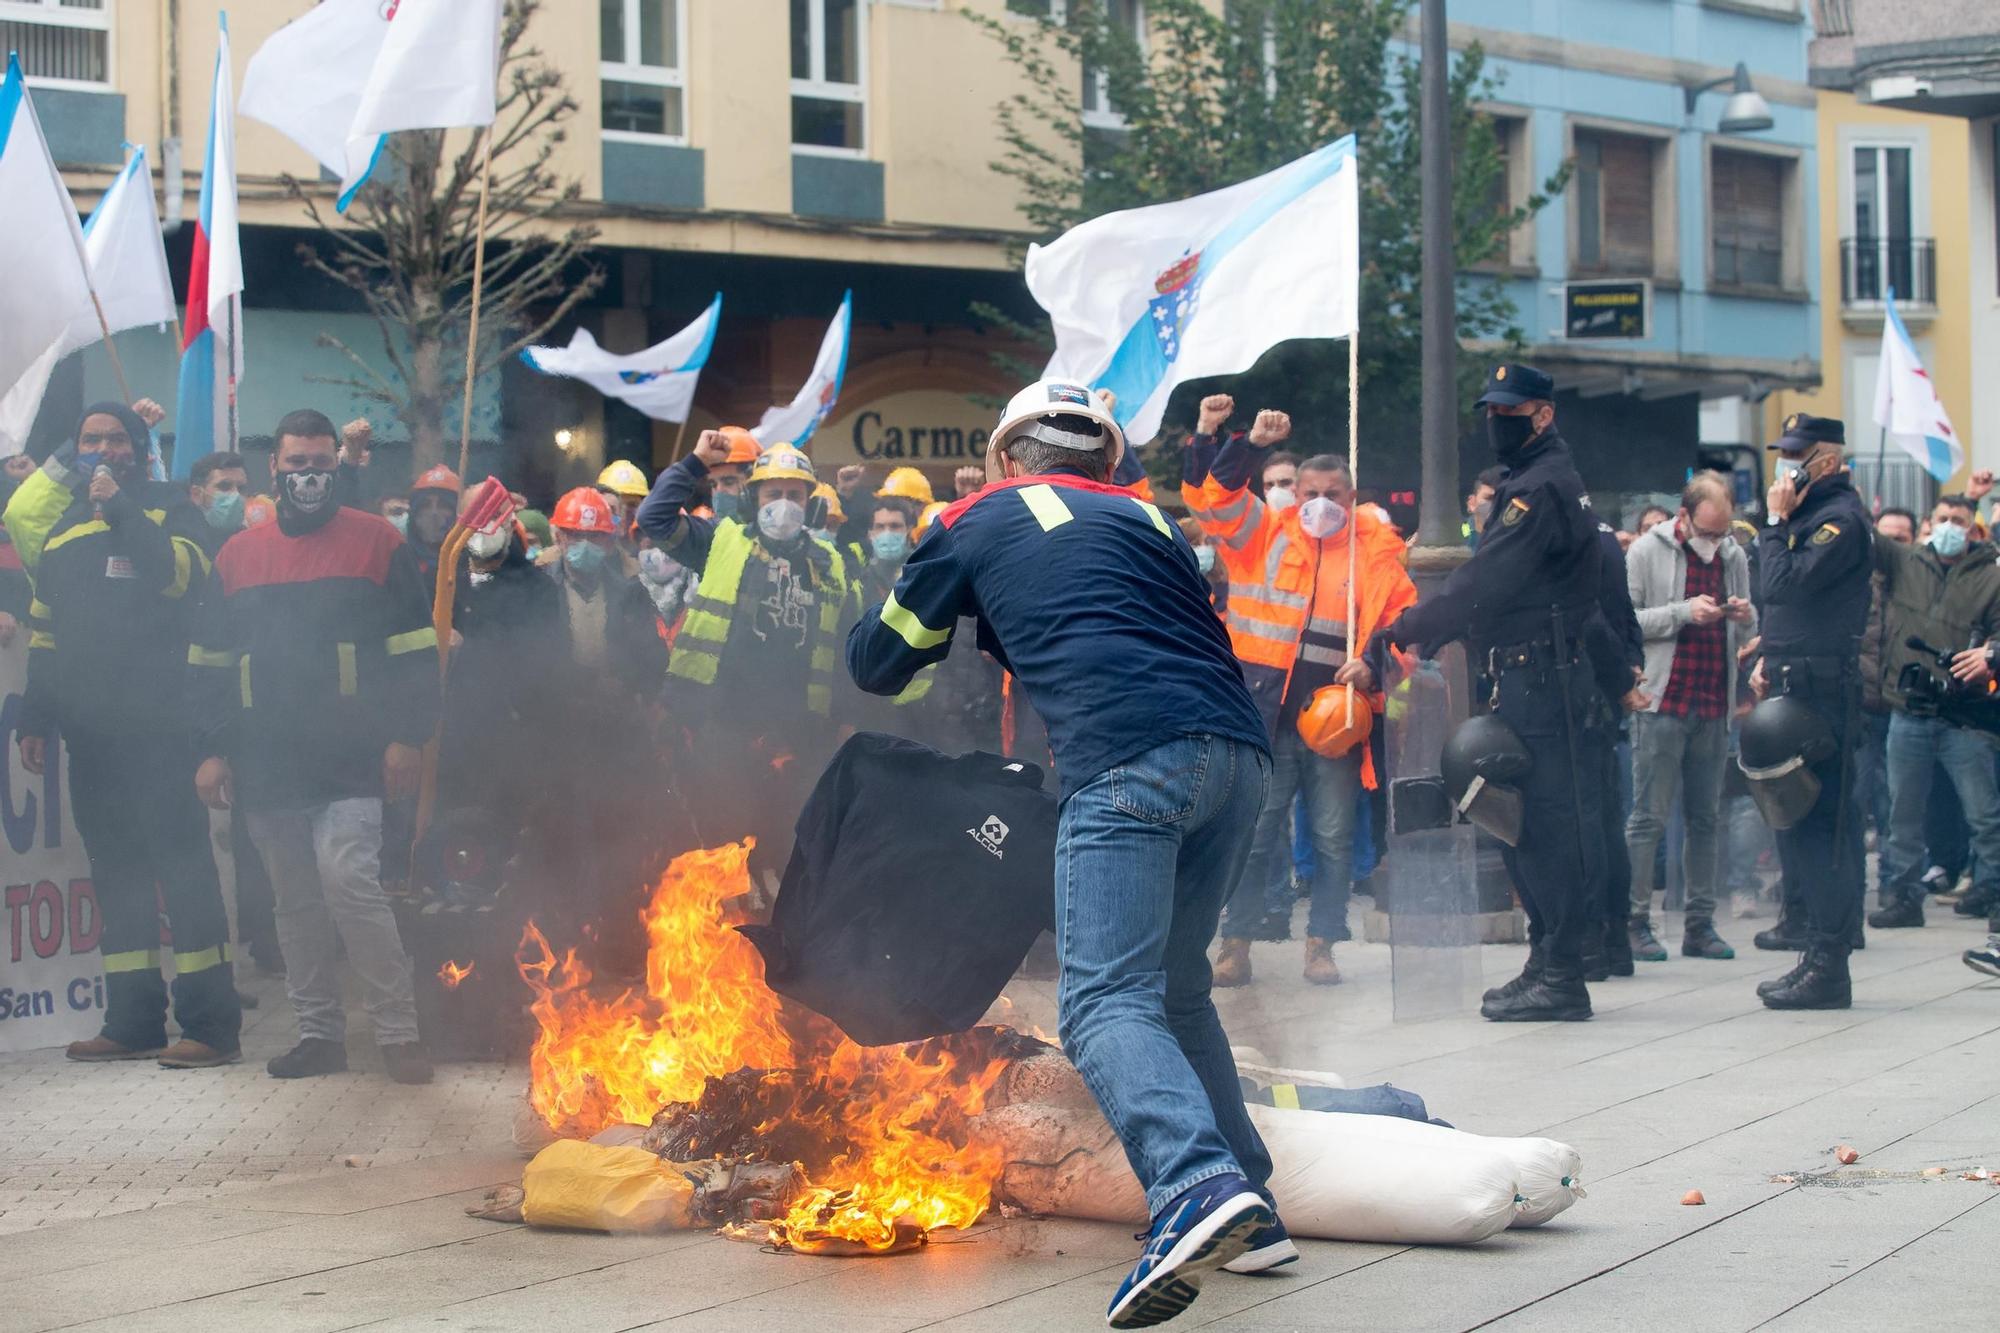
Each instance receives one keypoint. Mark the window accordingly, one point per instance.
(1884, 252)
(1747, 218)
(1122, 16)
(829, 68)
(645, 84)
(1614, 202)
(61, 42)
(1038, 9)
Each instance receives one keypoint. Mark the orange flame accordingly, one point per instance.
(891, 1118)
(452, 973)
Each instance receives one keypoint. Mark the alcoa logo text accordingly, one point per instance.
(990, 835)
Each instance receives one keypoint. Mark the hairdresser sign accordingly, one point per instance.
(51, 985)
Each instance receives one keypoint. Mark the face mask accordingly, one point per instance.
(655, 566)
(225, 511)
(1948, 539)
(1482, 515)
(400, 522)
(88, 461)
(1279, 498)
(1322, 518)
(486, 545)
(1704, 547)
(1509, 435)
(1204, 559)
(726, 505)
(1795, 469)
(305, 499)
(584, 557)
(781, 520)
(890, 545)
(822, 534)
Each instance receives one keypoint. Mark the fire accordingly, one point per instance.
(888, 1123)
(452, 973)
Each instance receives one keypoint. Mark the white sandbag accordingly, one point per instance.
(1337, 1176)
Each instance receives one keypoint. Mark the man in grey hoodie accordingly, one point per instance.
(1690, 585)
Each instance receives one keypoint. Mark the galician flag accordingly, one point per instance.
(1907, 405)
(128, 261)
(795, 423)
(212, 332)
(1149, 297)
(659, 381)
(45, 308)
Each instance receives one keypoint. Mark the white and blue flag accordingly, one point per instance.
(795, 422)
(1144, 299)
(1907, 404)
(659, 381)
(128, 260)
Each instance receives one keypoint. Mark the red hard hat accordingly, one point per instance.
(438, 478)
(585, 509)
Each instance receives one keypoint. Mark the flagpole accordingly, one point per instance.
(680, 438)
(229, 350)
(1353, 480)
(1881, 467)
(111, 348)
(478, 280)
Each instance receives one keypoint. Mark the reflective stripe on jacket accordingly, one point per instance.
(704, 634)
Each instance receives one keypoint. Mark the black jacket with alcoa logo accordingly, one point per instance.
(917, 884)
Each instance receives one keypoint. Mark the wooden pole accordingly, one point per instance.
(111, 349)
(680, 438)
(478, 280)
(1354, 480)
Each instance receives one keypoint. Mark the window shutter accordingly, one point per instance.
(1628, 203)
(1748, 207)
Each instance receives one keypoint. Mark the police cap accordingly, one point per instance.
(1512, 385)
(1803, 431)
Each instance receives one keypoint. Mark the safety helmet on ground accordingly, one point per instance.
(906, 483)
(437, 478)
(1325, 724)
(830, 514)
(782, 462)
(1781, 740)
(1484, 764)
(624, 478)
(743, 446)
(1027, 411)
(585, 510)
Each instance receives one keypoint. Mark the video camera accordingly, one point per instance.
(1938, 693)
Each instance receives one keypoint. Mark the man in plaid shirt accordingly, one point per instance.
(1690, 585)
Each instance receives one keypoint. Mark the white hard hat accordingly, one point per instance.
(1048, 398)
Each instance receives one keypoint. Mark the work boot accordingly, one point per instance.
(1646, 946)
(1618, 947)
(101, 1048)
(1699, 940)
(1530, 974)
(1822, 983)
(1788, 936)
(1232, 965)
(1896, 916)
(1596, 966)
(1320, 967)
(312, 1057)
(188, 1053)
(1781, 983)
(1558, 995)
(407, 1062)
(1972, 904)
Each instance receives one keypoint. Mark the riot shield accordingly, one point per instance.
(1430, 858)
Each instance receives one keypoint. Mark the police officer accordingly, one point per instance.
(1525, 601)
(1814, 560)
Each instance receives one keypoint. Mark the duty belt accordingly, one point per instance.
(1534, 653)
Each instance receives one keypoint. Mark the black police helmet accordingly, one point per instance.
(1781, 729)
(1483, 747)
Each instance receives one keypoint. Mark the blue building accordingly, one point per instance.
(1680, 266)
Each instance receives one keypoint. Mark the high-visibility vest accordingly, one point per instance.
(704, 634)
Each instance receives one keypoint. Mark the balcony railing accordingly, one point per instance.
(1871, 266)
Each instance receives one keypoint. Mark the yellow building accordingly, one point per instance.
(780, 151)
(1895, 211)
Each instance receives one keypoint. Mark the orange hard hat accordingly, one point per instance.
(1324, 725)
(743, 446)
(259, 509)
(438, 478)
(585, 509)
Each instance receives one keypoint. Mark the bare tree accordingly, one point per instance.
(407, 247)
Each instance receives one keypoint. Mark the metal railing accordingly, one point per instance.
(1870, 266)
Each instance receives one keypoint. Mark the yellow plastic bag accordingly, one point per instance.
(589, 1187)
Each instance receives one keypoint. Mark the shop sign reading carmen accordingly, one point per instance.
(917, 428)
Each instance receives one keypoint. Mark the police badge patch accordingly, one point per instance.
(1517, 509)
(1827, 532)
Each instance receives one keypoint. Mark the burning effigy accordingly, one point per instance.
(704, 1099)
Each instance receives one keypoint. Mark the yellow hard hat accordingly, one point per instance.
(834, 513)
(624, 478)
(906, 483)
(782, 462)
(924, 520)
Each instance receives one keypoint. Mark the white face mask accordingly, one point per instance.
(1322, 518)
(1279, 498)
(781, 520)
(1704, 547)
(486, 545)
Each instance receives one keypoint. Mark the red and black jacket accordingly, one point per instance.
(311, 654)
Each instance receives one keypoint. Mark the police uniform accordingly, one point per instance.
(1814, 568)
(1524, 602)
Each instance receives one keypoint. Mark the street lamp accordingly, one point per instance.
(1746, 111)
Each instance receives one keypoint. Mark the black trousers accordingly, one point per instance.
(146, 835)
(1823, 856)
(1558, 868)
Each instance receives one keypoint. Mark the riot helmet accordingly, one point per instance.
(1484, 764)
(1782, 739)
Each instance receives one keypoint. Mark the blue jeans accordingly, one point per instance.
(1871, 771)
(1329, 788)
(1145, 854)
(1917, 746)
